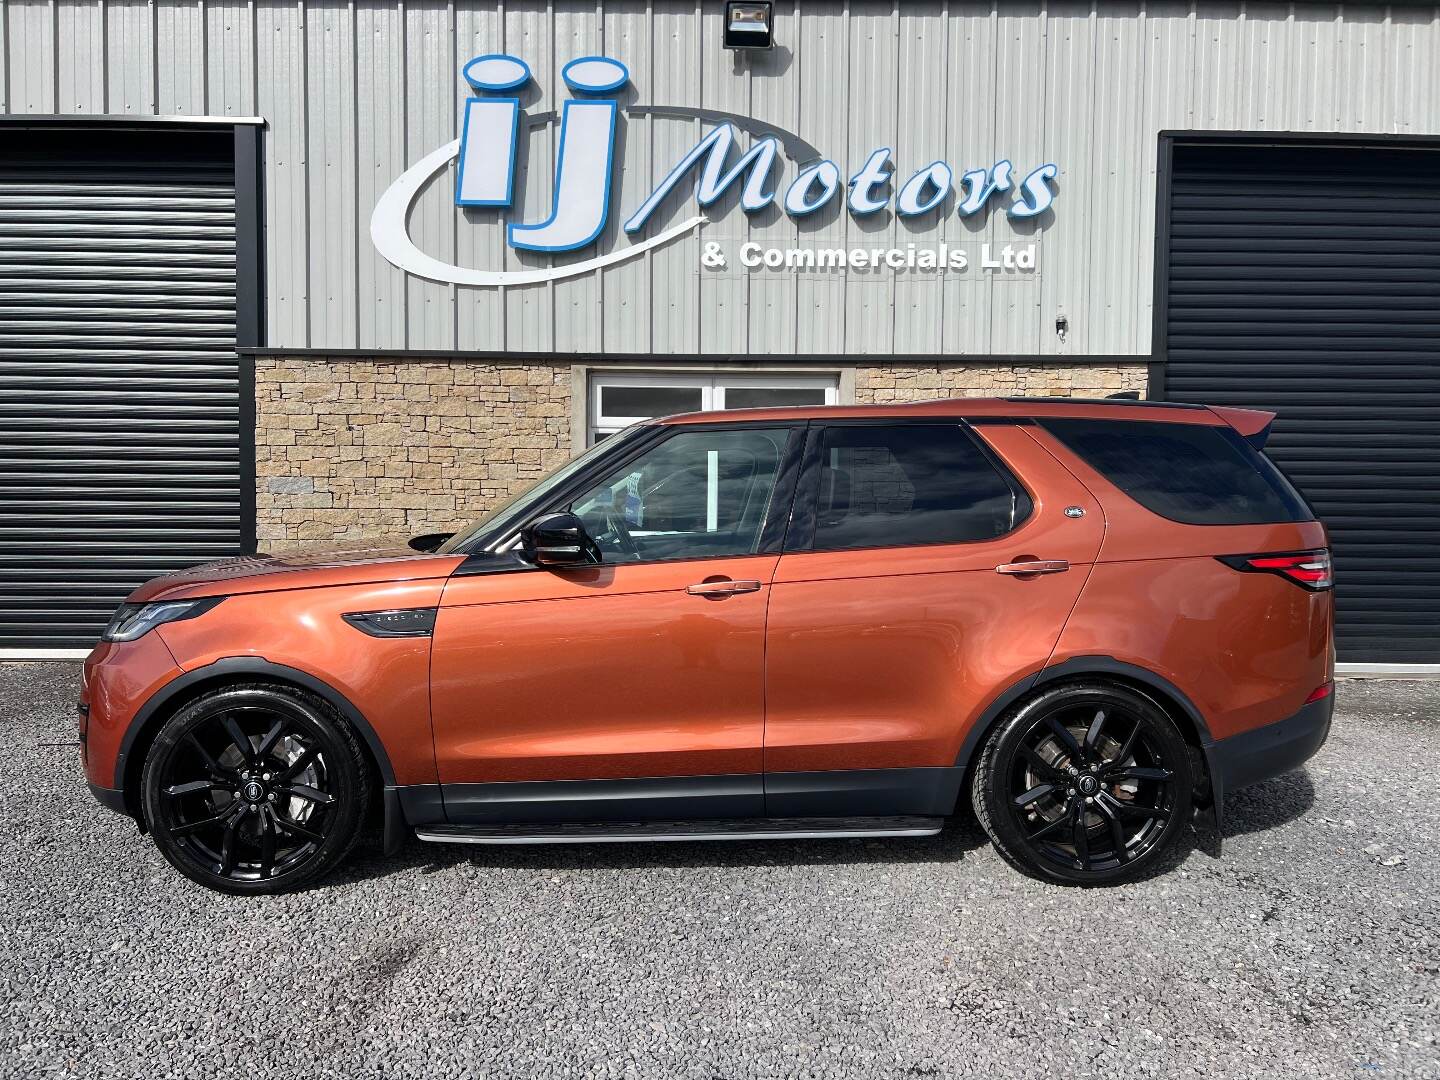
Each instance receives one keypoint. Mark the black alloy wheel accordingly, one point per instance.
(257, 788)
(1084, 784)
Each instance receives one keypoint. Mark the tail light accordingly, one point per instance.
(1321, 692)
(1310, 569)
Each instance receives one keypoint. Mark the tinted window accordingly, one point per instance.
(910, 484)
(1185, 472)
(696, 495)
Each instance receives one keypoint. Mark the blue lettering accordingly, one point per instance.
(980, 184)
(714, 148)
(1035, 194)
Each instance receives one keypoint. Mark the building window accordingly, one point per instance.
(619, 400)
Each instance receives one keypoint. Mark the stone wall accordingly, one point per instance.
(361, 450)
(880, 385)
(365, 450)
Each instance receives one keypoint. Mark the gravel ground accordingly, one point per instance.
(1310, 947)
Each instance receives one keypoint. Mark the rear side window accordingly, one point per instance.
(909, 484)
(1185, 472)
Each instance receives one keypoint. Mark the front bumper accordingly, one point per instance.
(119, 678)
(1268, 751)
(110, 798)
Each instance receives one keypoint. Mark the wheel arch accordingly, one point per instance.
(175, 694)
(1173, 701)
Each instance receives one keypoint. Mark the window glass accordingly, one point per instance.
(696, 495)
(1186, 472)
(509, 512)
(910, 484)
(647, 401)
(770, 397)
(619, 400)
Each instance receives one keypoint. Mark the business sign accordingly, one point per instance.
(585, 185)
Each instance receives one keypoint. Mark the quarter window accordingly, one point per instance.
(1190, 473)
(697, 495)
(909, 484)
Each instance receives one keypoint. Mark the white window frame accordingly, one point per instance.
(712, 385)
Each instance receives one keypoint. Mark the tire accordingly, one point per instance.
(1084, 784)
(255, 788)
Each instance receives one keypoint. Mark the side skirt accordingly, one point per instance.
(633, 832)
(850, 793)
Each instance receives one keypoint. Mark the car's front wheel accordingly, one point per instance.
(1084, 784)
(255, 788)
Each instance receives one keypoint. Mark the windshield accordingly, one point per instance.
(510, 514)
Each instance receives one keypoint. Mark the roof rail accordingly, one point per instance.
(1111, 400)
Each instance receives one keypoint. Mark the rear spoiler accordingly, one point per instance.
(1252, 424)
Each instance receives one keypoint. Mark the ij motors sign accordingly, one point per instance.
(586, 185)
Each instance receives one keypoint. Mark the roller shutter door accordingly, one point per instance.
(120, 447)
(1306, 280)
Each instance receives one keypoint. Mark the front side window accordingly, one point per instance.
(909, 484)
(697, 495)
(510, 512)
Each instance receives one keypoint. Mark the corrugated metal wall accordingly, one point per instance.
(355, 92)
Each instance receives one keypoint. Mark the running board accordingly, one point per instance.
(638, 831)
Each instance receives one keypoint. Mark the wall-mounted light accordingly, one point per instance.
(749, 25)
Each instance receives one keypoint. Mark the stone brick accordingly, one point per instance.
(881, 384)
(358, 450)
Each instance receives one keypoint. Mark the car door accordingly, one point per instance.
(896, 614)
(632, 688)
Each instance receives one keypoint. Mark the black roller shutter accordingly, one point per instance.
(120, 440)
(1306, 280)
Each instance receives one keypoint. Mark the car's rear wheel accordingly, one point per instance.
(1084, 784)
(258, 788)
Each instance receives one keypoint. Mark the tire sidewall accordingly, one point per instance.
(993, 799)
(344, 774)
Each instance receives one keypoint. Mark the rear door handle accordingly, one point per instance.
(723, 588)
(1034, 566)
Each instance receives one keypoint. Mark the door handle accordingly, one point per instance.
(723, 588)
(1033, 566)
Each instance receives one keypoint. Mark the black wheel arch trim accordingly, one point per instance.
(228, 669)
(1079, 666)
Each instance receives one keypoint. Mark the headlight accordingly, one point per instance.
(130, 621)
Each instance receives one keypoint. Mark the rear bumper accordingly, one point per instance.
(1268, 751)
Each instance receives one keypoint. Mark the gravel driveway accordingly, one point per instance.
(1311, 947)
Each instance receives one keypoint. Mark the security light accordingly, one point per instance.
(749, 25)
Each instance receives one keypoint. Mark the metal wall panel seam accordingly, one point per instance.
(5, 55)
(357, 213)
(454, 69)
(54, 9)
(153, 15)
(202, 8)
(403, 28)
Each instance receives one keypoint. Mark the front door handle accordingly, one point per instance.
(1033, 566)
(723, 588)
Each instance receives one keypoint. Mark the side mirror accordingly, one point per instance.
(428, 542)
(559, 540)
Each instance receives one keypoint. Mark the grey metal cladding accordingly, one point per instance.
(353, 93)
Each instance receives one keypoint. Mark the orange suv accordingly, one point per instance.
(1086, 618)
